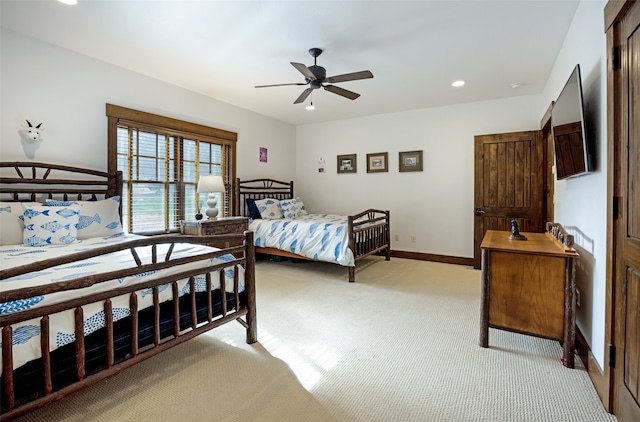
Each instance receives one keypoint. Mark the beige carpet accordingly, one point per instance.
(400, 344)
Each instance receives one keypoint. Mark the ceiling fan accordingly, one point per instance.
(316, 77)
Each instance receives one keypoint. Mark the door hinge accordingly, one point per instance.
(614, 207)
(612, 356)
(615, 58)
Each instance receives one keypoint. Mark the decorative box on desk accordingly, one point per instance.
(528, 286)
(218, 226)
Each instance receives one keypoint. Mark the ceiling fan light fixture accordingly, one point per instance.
(316, 77)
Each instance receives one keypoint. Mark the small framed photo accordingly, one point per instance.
(347, 163)
(410, 161)
(377, 163)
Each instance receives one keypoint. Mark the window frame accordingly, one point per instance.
(119, 116)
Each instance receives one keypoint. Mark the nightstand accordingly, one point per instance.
(221, 225)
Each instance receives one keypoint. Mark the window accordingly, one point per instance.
(161, 160)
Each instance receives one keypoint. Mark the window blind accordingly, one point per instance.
(161, 167)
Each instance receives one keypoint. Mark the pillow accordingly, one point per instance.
(254, 212)
(303, 210)
(46, 225)
(10, 222)
(97, 218)
(269, 208)
(292, 208)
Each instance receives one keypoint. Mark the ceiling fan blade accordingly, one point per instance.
(341, 91)
(304, 70)
(365, 74)
(303, 96)
(267, 86)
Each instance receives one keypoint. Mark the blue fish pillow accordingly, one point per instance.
(292, 208)
(97, 218)
(45, 225)
(269, 208)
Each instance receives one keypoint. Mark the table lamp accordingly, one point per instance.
(211, 184)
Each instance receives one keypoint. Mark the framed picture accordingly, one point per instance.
(410, 161)
(347, 163)
(377, 163)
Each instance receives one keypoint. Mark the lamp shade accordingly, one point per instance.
(210, 183)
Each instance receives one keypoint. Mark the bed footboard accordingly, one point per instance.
(163, 325)
(369, 234)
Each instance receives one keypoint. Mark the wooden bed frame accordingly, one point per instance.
(365, 238)
(182, 319)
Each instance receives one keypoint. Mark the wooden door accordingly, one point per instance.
(509, 184)
(625, 173)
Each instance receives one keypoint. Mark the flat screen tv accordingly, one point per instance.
(572, 154)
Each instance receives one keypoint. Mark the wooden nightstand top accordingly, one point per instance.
(222, 225)
(219, 220)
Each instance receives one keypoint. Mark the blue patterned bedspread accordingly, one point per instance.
(26, 335)
(322, 237)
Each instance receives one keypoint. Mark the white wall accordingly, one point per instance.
(581, 203)
(67, 92)
(435, 205)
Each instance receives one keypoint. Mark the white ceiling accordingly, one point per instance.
(222, 49)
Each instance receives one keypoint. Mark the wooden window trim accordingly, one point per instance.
(157, 121)
(121, 115)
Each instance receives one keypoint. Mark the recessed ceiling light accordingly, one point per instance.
(457, 83)
(516, 85)
(310, 106)
(70, 2)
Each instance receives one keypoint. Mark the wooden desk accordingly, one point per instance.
(528, 287)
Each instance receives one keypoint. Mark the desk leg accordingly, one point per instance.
(569, 314)
(484, 300)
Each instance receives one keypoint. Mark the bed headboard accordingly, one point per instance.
(38, 181)
(259, 189)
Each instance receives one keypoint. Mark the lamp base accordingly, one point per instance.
(212, 211)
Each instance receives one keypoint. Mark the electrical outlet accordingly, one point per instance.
(397, 237)
(413, 239)
(577, 298)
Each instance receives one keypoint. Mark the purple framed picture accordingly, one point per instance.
(263, 155)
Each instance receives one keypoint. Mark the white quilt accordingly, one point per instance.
(322, 237)
(26, 335)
